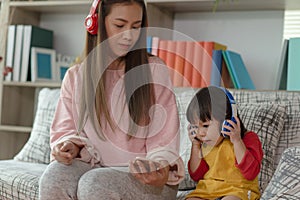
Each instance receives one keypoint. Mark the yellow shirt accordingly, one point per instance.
(223, 178)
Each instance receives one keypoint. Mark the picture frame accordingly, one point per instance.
(62, 67)
(43, 65)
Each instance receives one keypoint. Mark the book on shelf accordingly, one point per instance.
(207, 60)
(149, 44)
(188, 66)
(162, 49)
(179, 63)
(216, 68)
(155, 45)
(228, 70)
(226, 80)
(197, 64)
(34, 36)
(170, 59)
(281, 80)
(238, 70)
(293, 66)
(10, 50)
(18, 52)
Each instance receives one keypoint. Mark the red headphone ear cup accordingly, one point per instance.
(91, 24)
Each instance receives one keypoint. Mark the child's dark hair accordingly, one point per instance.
(209, 102)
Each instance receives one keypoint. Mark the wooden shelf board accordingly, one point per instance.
(21, 129)
(82, 6)
(31, 84)
(53, 6)
(230, 5)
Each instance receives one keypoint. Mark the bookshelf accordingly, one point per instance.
(17, 100)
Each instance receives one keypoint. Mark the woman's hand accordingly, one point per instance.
(65, 152)
(150, 172)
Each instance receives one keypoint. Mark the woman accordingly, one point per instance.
(116, 114)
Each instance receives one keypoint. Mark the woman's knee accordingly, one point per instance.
(60, 179)
(98, 182)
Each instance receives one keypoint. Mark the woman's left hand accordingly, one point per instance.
(150, 172)
(234, 132)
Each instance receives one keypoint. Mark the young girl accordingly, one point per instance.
(225, 157)
(116, 114)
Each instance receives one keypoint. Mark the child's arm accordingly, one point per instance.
(234, 133)
(196, 155)
(251, 162)
(248, 151)
(197, 166)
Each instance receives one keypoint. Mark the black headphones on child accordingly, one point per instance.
(91, 21)
(233, 108)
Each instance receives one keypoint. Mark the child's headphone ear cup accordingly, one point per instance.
(233, 111)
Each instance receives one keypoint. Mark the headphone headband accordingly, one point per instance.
(94, 7)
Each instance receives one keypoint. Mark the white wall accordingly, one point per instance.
(256, 35)
(69, 32)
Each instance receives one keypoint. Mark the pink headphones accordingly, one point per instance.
(91, 21)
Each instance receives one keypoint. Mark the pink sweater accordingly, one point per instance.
(162, 143)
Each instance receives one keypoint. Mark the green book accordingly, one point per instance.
(229, 69)
(33, 37)
(293, 69)
(282, 70)
(238, 70)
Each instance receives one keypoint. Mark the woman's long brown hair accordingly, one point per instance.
(93, 97)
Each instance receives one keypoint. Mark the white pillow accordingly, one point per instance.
(267, 120)
(37, 148)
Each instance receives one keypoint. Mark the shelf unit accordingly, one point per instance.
(17, 100)
(168, 5)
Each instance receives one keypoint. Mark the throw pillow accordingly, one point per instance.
(183, 98)
(267, 120)
(286, 179)
(37, 148)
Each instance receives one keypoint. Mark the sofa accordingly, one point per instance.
(273, 115)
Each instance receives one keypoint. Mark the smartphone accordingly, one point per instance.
(193, 127)
(146, 163)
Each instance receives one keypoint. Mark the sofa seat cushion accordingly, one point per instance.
(19, 180)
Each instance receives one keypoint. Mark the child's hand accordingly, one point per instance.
(234, 132)
(65, 152)
(192, 131)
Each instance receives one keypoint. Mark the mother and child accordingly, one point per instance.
(115, 133)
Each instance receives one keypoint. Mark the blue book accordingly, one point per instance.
(293, 68)
(238, 69)
(216, 68)
(149, 44)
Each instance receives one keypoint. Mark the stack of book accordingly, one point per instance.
(289, 67)
(21, 39)
(201, 63)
